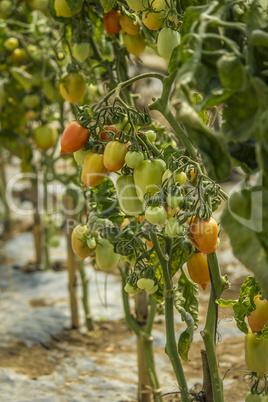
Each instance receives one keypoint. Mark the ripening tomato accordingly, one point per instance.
(167, 40)
(106, 130)
(137, 5)
(153, 20)
(135, 44)
(259, 317)
(129, 26)
(114, 155)
(94, 171)
(19, 55)
(106, 258)
(256, 353)
(79, 156)
(45, 137)
(156, 215)
(128, 200)
(148, 176)
(73, 138)
(79, 242)
(63, 10)
(41, 5)
(111, 21)
(204, 234)
(73, 87)
(198, 269)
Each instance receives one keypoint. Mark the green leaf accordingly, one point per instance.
(245, 303)
(186, 302)
(210, 143)
(107, 5)
(74, 4)
(181, 252)
(245, 219)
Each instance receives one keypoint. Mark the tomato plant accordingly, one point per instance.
(204, 234)
(73, 138)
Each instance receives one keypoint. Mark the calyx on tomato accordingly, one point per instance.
(73, 138)
(204, 234)
(156, 215)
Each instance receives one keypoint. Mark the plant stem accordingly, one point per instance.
(162, 107)
(171, 344)
(218, 284)
(46, 228)
(85, 282)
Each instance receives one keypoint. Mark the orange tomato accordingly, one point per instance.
(258, 317)
(129, 26)
(73, 138)
(111, 21)
(198, 269)
(204, 234)
(114, 155)
(94, 171)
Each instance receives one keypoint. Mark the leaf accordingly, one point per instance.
(245, 219)
(186, 302)
(202, 114)
(245, 303)
(74, 4)
(210, 143)
(107, 5)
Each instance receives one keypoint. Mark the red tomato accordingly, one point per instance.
(129, 26)
(198, 269)
(114, 155)
(111, 21)
(73, 138)
(204, 235)
(94, 171)
(259, 317)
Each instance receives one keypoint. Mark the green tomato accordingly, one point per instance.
(179, 177)
(81, 51)
(45, 137)
(256, 353)
(137, 5)
(41, 5)
(130, 289)
(128, 200)
(156, 215)
(145, 283)
(152, 290)
(79, 156)
(167, 40)
(106, 258)
(148, 176)
(49, 90)
(63, 10)
(31, 101)
(250, 397)
(151, 135)
(54, 241)
(174, 201)
(11, 44)
(173, 228)
(134, 159)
